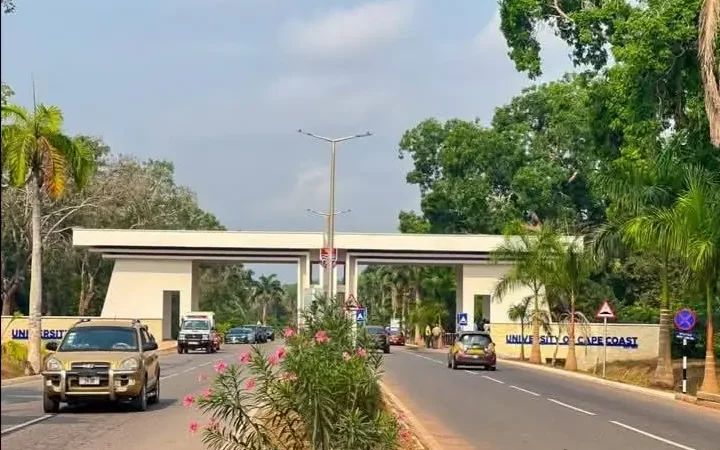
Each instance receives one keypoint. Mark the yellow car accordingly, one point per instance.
(102, 360)
(472, 348)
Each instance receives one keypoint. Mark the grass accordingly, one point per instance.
(11, 368)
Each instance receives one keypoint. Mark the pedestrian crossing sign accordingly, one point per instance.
(360, 315)
(462, 319)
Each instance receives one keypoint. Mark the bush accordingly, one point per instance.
(321, 392)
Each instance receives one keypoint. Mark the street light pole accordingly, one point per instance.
(328, 280)
(331, 214)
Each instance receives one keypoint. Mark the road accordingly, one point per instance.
(516, 407)
(164, 425)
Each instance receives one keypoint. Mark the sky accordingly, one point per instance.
(220, 87)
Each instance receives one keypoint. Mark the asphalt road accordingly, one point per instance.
(165, 425)
(516, 407)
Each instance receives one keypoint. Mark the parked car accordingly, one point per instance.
(260, 336)
(396, 337)
(102, 360)
(269, 333)
(240, 335)
(378, 338)
(472, 348)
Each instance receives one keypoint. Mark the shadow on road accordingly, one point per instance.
(107, 408)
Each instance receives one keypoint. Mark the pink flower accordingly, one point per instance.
(321, 336)
(361, 352)
(193, 427)
(250, 383)
(405, 434)
(202, 377)
(288, 333)
(188, 401)
(206, 393)
(273, 360)
(281, 353)
(221, 366)
(245, 358)
(346, 356)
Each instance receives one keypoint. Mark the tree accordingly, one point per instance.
(38, 155)
(709, 35)
(8, 6)
(691, 228)
(268, 289)
(531, 253)
(571, 269)
(520, 312)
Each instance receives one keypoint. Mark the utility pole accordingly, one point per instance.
(330, 244)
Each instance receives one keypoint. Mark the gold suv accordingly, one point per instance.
(106, 360)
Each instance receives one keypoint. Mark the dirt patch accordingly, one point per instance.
(640, 373)
(11, 369)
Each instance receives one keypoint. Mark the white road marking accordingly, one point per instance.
(493, 379)
(652, 436)
(425, 357)
(169, 376)
(190, 369)
(525, 391)
(572, 407)
(26, 424)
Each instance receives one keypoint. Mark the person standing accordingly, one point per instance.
(428, 335)
(437, 335)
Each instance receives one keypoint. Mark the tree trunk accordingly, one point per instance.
(522, 339)
(664, 375)
(571, 360)
(394, 301)
(710, 381)
(418, 337)
(8, 299)
(264, 312)
(535, 355)
(35, 301)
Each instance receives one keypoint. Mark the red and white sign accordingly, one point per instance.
(351, 302)
(325, 257)
(606, 311)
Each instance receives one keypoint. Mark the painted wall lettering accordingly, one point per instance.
(590, 341)
(20, 334)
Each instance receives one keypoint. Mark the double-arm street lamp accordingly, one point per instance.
(330, 245)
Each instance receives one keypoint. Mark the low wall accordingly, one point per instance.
(55, 327)
(624, 342)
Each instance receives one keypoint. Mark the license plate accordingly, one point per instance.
(89, 381)
(193, 342)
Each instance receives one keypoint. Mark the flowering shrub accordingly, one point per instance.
(320, 392)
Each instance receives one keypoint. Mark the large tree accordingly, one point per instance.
(38, 155)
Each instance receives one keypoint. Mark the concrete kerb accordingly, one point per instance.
(420, 432)
(163, 350)
(581, 376)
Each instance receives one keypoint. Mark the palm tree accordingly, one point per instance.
(570, 271)
(37, 155)
(691, 227)
(520, 312)
(268, 290)
(634, 191)
(531, 252)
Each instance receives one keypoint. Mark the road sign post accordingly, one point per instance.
(605, 312)
(685, 320)
(462, 320)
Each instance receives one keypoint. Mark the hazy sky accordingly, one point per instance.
(220, 87)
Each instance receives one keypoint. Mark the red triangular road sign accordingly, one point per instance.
(351, 302)
(605, 311)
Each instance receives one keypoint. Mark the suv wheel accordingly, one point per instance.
(140, 403)
(180, 349)
(50, 405)
(156, 392)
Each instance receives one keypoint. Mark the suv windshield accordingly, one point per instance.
(196, 325)
(376, 330)
(100, 339)
(481, 340)
(240, 331)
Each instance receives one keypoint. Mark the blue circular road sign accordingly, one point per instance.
(685, 319)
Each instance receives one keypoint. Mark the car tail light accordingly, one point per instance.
(490, 348)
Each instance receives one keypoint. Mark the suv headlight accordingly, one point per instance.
(53, 365)
(129, 364)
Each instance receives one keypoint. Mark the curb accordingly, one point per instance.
(21, 380)
(596, 380)
(420, 432)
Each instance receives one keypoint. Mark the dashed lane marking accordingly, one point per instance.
(26, 424)
(525, 391)
(652, 436)
(575, 408)
(493, 379)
